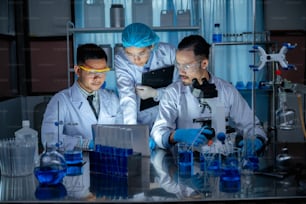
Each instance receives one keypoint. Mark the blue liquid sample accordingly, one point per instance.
(230, 180)
(217, 38)
(210, 164)
(49, 175)
(73, 157)
(185, 163)
(74, 170)
(251, 163)
(53, 192)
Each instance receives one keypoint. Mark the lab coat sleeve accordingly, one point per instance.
(241, 113)
(165, 122)
(169, 51)
(126, 90)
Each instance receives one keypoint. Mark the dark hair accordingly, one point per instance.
(196, 43)
(90, 51)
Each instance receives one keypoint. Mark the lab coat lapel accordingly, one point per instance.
(81, 103)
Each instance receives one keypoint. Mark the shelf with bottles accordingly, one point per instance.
(72, 29)
(244, 38)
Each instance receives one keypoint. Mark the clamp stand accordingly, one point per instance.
(278, 57)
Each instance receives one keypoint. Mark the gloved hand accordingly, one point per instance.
(86, 145)
(258, 145)
(190, 136)
(152, 143)
(145, 92)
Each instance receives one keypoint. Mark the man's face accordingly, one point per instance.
(91, 75)
(189, 66)
(138, 56)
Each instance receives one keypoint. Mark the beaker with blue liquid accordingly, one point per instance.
(185, 160)
(230, 178)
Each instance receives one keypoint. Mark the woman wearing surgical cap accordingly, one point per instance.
(142, 52)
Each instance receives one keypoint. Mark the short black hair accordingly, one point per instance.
(196, 43)
(90, 51)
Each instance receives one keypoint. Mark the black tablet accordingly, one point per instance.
(157, 78)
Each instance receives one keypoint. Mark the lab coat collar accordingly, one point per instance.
(76, 95)
(80, 102)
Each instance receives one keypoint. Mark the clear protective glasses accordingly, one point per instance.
(141, 55)
(94, 72)
(187, 67)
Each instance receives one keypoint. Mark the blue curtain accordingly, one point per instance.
(235, 17)
(231, 62)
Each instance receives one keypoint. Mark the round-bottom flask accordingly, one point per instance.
(52, 167)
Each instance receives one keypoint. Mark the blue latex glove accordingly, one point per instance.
(257, 146)
(152, 143)
(190, 136)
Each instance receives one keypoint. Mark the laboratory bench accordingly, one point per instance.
(154, 179)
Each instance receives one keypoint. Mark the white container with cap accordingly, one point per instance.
(28, 135)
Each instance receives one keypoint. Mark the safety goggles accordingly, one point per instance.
(140, 55)
(187, 67)
(94, 72)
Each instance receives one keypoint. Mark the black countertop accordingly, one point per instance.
(155, 179)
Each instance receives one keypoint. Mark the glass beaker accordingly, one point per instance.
(230, 178)
(16, 157)
(286, 119)
(184, 160)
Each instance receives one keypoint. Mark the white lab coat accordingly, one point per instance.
(179, 107)
(71, 108)
(129, 75)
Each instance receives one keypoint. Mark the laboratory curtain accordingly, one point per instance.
(235, 17)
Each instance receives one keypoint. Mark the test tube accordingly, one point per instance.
(128, 141)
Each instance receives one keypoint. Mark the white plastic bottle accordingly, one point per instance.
(217, 35)
(27, 134)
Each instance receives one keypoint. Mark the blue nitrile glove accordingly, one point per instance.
(258, 145)
(190, 136)
(152, 143)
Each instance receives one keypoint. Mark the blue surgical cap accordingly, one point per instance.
(138, 35)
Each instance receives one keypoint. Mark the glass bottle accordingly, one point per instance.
(217, 36)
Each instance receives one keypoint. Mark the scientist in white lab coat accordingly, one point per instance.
(179, 106)
(142, 51)
(69, 112)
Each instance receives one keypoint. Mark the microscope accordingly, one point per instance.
(207, 95)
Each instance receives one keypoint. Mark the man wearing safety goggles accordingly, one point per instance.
(180, 105)
(71, 112)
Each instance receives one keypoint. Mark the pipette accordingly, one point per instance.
(221, 137)
(209, 137)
